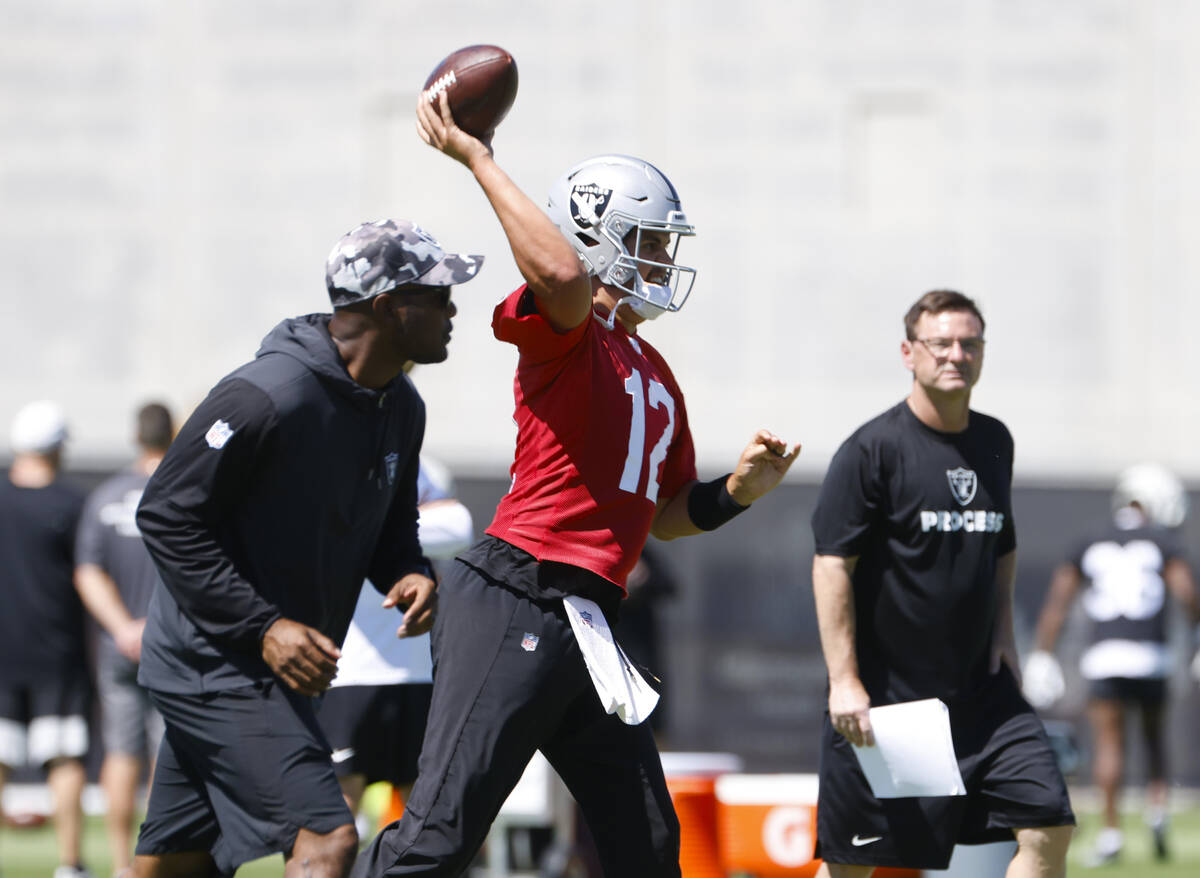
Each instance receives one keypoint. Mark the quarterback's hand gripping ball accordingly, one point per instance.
(480, 83)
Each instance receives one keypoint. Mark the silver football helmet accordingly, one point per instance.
(1156, 489)
(598, 203)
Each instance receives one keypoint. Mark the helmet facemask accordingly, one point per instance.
(671, 283)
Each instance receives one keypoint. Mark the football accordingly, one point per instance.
(480, 83)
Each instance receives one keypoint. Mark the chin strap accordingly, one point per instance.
(610, 321)
(641, 307)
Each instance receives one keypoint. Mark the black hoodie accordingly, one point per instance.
(287, 486)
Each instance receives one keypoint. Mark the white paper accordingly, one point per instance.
(913, 753)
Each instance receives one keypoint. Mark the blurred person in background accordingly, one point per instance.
(1123, 576)
(115, 577)
(913, 576)
(375, 710)
(45, 689)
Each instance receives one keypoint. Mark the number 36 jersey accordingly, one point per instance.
(1125, 600)
(602, 435)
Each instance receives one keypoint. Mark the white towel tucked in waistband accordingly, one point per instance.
(621, 688)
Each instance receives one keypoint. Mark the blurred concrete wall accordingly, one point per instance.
(172, 176)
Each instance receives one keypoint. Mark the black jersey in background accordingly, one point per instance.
(41, 625)
(1126, 598)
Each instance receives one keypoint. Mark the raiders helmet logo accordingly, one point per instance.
(963, 483)
(588, 203)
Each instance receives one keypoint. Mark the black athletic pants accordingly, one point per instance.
(509, 680)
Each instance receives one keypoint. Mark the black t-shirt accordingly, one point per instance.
(1126, 597)
(41, 624)
(927, 514)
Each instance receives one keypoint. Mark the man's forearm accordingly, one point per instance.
(102, 598)
(833, 592)
(204, 582)
(1064, 584)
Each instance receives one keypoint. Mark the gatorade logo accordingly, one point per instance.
(787, 835)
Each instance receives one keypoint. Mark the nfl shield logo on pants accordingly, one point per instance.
(529, 642)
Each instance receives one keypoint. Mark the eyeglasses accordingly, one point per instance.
(940, 347)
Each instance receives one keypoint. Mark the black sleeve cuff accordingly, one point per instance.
(710, 505)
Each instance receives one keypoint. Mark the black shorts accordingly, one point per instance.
(44, 719)
(376, 731)
(508, 680)
(239, 773)
(1143, 691)
(1007, 765)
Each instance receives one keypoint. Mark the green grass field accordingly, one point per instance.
(30, 853)
(1137, 859)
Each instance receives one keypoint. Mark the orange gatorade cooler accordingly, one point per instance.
(767, 826)
(767, 823)
(691, 780)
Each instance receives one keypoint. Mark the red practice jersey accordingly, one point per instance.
(602, 435)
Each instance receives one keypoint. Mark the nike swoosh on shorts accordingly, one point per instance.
(858, 841)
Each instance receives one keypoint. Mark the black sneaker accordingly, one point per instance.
(1159, 829)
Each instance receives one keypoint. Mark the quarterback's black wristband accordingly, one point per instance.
(710, 506)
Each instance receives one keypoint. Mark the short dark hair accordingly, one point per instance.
(935, 302)
(154, 427)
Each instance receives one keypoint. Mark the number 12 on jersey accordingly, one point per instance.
(655, 395)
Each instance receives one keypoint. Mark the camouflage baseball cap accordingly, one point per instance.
(382, 255)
